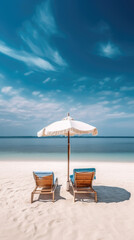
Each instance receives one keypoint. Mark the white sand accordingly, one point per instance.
(111, 218)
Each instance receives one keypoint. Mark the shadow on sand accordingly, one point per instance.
(106, 194)
(48, 197)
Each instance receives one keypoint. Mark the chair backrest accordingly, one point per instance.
(85, 170)
(45, 181)
(83, 179)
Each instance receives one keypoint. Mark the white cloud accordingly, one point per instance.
(109, 93)
(116, 107)
(120, 115)
(101, 83)
(96, 111)
(106, 93)
(131, 102)
(79, 88)
(28, 73)
(41, 95)
(37, 112)
(45, 18)
(9, 90)
(109, 50)
(23, 109)
(47, 80)
(35, 49)
(116, 101)
(38, 32)
(99, 112)
(27, 58)
(58, 91)
(109, 79)
(126, 88)
(58, 59)
(70, 99)
(81, 79)
(118, 79)
(35, 93)
(105, 80)
(6, 89)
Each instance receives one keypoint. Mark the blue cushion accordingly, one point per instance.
(82, 170)
(71, 177)
(43, 174)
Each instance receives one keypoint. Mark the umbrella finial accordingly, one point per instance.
(68, 114)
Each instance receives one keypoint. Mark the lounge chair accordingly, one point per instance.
(81, 181)
(45, 184)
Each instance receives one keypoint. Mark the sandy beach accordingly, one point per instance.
(111, 218)
(67, 102)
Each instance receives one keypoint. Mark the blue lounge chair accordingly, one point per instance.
(45, 184)
(81, 181)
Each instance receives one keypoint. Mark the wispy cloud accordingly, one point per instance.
(99, 112)
(20, 109)
(78, 88)
(41, 95)
(109, 50)
(27, 58)
(105, 80)
(81, 79)
(28, 73)
(117, 101)
(47, 80)
(118, 79)
(45, 18)
(110, 79)
(35, 93)
(120, 115)
(126, 88)
(131, 102)
(58, 59)
(106, 93)
(38, 33)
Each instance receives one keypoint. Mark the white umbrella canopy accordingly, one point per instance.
(68, 127)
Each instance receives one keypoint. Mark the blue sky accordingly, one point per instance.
(61, 56)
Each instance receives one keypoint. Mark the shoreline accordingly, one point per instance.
(62, 157)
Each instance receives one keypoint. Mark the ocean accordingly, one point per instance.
(55, 148)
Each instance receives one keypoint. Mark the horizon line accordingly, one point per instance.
(62, 136)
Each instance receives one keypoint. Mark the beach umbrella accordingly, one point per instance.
(67, 127)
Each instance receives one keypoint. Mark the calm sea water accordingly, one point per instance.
(106, 149)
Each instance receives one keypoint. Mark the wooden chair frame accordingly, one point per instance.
(44, 185)
(83, 183)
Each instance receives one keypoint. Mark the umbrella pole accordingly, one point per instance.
(68, 162)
